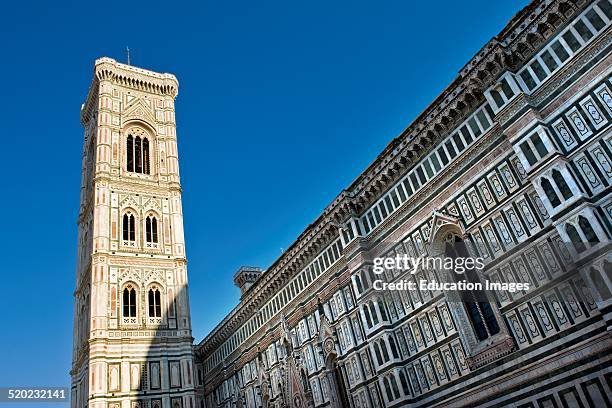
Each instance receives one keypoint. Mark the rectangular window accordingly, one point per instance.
(415, 181)
(527, 78)
(475, 130)
(549, 61)
(539, 71)
(483, 119)
(421, 175)
(458, 142)
(394, 198)
(558, 49)
(435, 162)
(366, 226)
(606, 7)
(451, 149)
(595, 19)
(383, 210)
(571, 40)
(407, 186)
(390, 205)
(583, 30)
(443, 156)
(336, 250)
(428, 170)
(377, 215)
(401, 193)
(371, 219)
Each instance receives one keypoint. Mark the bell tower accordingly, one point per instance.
(132, 343)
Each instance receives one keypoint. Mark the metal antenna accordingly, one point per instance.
(127, 50)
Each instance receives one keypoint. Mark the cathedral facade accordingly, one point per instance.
(512, 164)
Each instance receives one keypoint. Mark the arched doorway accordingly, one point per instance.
(337, 382)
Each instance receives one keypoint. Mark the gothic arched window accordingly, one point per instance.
(608, 270)
(129, 301)
(145, 156)
(383, 348)
(550, 192)
(388, 389)
(562, 184)
(383, 312)
(368, 317)
(151, 228)
(588, 231)
(573, 235)
(600, 284)
(404, 382)
(396, 392)
(129, 227)
(393, 347)
(137, 154)
(154, 302)
(358, 284)
(476, 302)
(130, 153)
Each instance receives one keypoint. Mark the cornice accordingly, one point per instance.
(127, 76)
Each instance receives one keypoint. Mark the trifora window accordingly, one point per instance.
(137, 152)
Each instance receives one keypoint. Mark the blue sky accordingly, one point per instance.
(281, 105)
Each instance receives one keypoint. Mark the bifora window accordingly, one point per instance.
(154, 302)
(129, 227)
(129, 301)
(151, 229)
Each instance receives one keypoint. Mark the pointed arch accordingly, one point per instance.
(145, 156)
(128, 226)
(393, 347)
(550, 192)
(566, 192)
(600, 284)
(387, 389)
(130, 153)
(588, 231)
(129, 300)
(138, 149)
(151, 233)
(574, 237)
(138, 154)
(154, 300)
